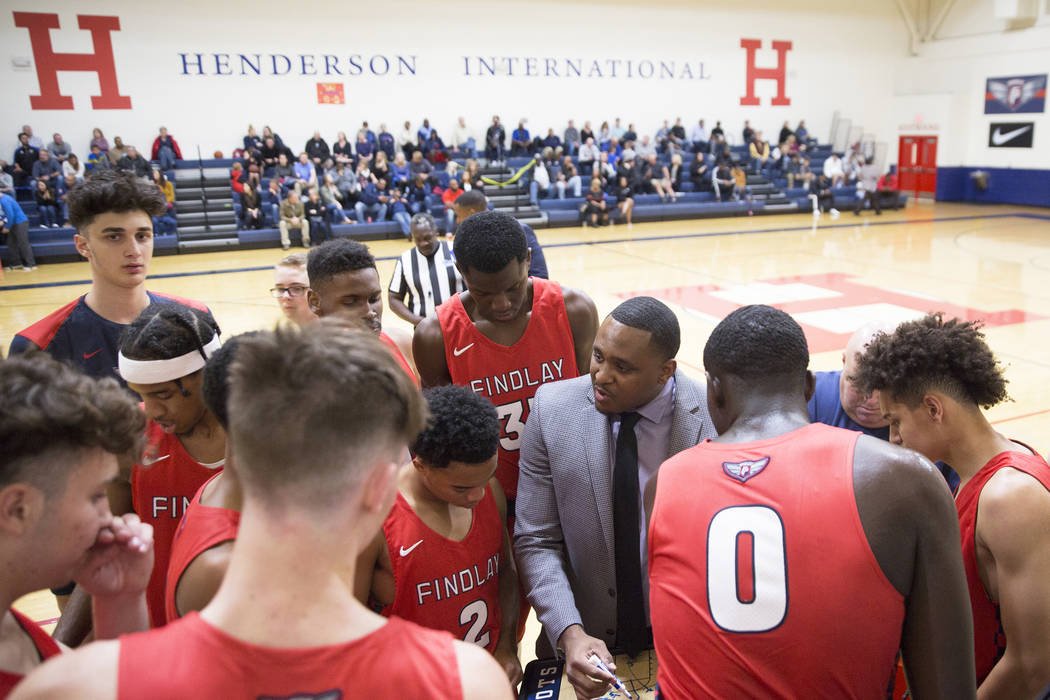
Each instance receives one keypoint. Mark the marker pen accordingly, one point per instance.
(616, 681)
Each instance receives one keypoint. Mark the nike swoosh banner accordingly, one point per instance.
(1011, 134)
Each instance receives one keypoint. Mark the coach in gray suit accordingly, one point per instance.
(565, 540)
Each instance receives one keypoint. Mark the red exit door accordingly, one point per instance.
(917, 165)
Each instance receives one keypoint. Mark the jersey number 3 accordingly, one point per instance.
(510, 415)
(747, 569)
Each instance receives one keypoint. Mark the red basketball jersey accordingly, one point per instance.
(509, 375)
(399, 356)
(988, 636)
(46, 647)
(202, 528)
(762, 582)
(192, 659)
(443, 584)
(162, 485)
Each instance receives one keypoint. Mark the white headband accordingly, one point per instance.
(158, 371)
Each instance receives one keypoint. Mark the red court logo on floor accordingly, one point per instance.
(829, 307)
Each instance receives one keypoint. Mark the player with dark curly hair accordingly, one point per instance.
(443, 558)
(812, 553)
(934, 377)
(344, 283)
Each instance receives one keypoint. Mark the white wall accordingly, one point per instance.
(843, 59)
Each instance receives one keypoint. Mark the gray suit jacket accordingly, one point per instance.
(563, 537)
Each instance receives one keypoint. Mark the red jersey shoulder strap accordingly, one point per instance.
(45, 645)
(43, 331)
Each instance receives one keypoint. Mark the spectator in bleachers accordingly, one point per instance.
(472, 175)
(594, 209)
(643, 149)
(252, 141)
(237, 178)
(99, 139)
(400, 174)
(97, 160)
(520, 140)
(792, 169)
(334, 200)
(624, 200)
(343, 150)
(271, 152)
(47, 169)
(889, 191)
(868, 186)
(463, 141)
(723, 182)
(420, 166)
(251, 208)
(606, 171)
(7, 182)
(417, 193)
(24, 160)
(317, 149)
(718, 131)
(363, 174)
(614, 149)
(118, 151)
(381, 167)
(663, 136)
(346, 182)
(435, 147)
(552, 141)
(629, 168)
(73, 167)
(678, 135)
(400, 211)
(371, 203)
(586, 132)
(698, 173)
(539, 181)
(385, 141)
(252, 162)
(802, 133)
(58, 148)
(833, 170)
(165, 150)
(699, 138)
(448, 198)
(272, 198)
(629, 137)
(821, 196)
(748, 133)
(675, 172)
(267, 133)
(423, 134)
(305, 173)
(46, 204)
(616, 131)
(15, 224)
(34, 141)
(293, 215)
(758, 149)
(165, 223)
(134, 162)
(364, 148)
(660, 179)
(589, 154)
(568, 178)
(316, 213)
(370, 135)
(406, 140)
(785, 131)
(62, 189)
(283, 172)
(571, 139)
(604, 134)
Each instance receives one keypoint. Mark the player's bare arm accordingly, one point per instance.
(403, 340)
(87, 674)
(912, 527)
(1013, 554)
(480, 675)
(428, 349)
(506, 651)
(374, 574)
(396, 302)
(583, 320)
(202, 578)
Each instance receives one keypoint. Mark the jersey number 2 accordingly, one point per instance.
(510, 415)
(476, 614)
(764, 604)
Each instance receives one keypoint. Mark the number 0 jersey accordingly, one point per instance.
(762, 582)
(443, 584)
(509, 375)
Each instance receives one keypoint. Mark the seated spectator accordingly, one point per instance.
(293, 215)
(551, 140)
(252, 162)
(419, 166)
(617, 131)
(660, 179)
(62, 190)
(58, 148)
(334, 200)
(417, 194)
(793, 171)
(604, 134)
(385, 141)
(343, 150)
(364, 148)
(675, 176)
(400, 174)
(435, 147)
(759, 151)
(7, 182)
(46, 204)
(370, 135)
(283, 172)
(785, 131)
(423, 134)
(381, 167)
(606, 171)
(643, 149)
(629, 137)
(571, 139)
(594, 210)
(569, 177)
(272, 198)
(821, 196)
(305, 174)
(133, 162)
(520, 140)
(73, 167)
(406, 140)
(723, 182)
(748, 133)
(268, 133)
(317, 149)
(97, 160)
(624, 200)
(495, 139)
(317, 214)
(678, 138)
(589, 153)
(237, 178)
(663, 136)
(24, 160)
(539, 181)
(718, 131)
(363, 174)
(165, 223)
(346, 181)
(698, 137)
(99, 139)
(448, 198)
(251, 208)
(471, 177)
(252, 141)
(698, 173)
(371, 203)
(833, 170)
(628, 168)
(165, 150)
(889, 191)
(271, 152)
(117, 152)
(614, 149)
(399, 211)
(47, 169)
(586, 133)
(867, 182)
(802, 133)
(463, 142)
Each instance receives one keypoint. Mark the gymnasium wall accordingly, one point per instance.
(180, 65)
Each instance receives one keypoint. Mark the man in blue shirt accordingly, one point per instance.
(305, 174)
(16, 226)
(835, 401)
(520, 140)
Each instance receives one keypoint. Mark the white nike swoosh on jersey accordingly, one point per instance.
(406, 552)
(146, 461)
(459, 351)
(999, 138)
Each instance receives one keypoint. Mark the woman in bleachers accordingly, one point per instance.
(252, 141)
(73, 166)
(343, 150)
(417, 194)
(660, 179)
(570, 176)
(166, 223)
(472, 175)
(586, 132)
(251, 207)
(594, 209)
(675, 175)
(381, 167)
(334, 200)
(269, 133)
(46, 204)
(97, 139)
(400, 174)
(364, 173)
(603, 136)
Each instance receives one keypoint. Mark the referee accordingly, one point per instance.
(425, 275)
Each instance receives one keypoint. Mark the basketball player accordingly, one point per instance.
(319, 476)
(934, 376)
(112, 212)
(813, 553)
(161, 357)
(507, 333)
(476, 202)
(61, 434)
(200, 552)
(290, 285)
(443, 559)
(344, 283)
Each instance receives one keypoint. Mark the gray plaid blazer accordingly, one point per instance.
(563, 536)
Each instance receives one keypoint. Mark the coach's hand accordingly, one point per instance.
(121, 560)
(588, 680)
(507, 656)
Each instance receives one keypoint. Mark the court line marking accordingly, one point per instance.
(570, 244)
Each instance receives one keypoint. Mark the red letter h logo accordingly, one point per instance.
(49, 63)
(754, 73)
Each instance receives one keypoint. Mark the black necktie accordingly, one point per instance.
(630, 608)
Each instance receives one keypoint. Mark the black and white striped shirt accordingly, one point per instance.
(426, 282)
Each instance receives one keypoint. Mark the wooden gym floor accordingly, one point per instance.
(988, 262)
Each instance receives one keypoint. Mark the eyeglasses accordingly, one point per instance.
(296, 290)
